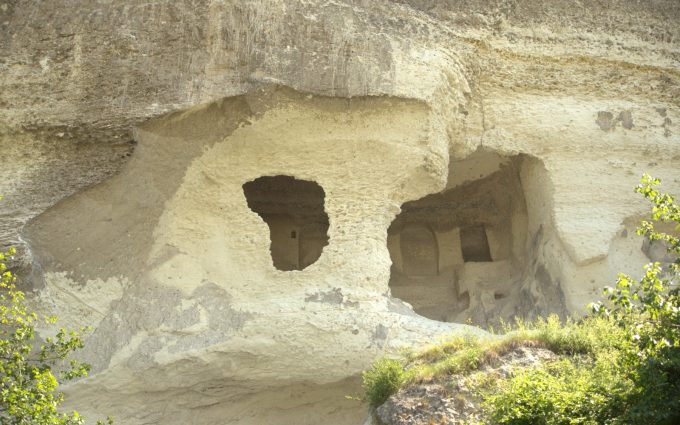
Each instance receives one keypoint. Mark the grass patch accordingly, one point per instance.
(598, 379)
(383, 379)
(464, 354)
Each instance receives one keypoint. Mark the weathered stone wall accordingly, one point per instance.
(378, 102)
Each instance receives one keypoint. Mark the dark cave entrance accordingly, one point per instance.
(294, 211)
(459, 254)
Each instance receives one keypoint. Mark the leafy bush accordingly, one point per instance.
(631, 374)
(649, 311)
(564, 392)
(382, 380)
(28, 386)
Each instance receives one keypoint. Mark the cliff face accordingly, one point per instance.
(240, 196)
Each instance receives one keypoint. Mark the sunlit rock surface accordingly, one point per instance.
(456, 161)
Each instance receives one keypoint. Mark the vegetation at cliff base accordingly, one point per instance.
(618, 365)
(30, 371)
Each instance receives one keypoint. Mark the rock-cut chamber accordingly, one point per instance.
(460, 254)
(294, 211)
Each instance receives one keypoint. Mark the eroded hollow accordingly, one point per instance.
(461, 254)
(294, 211)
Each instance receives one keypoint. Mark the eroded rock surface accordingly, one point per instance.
(476, 159)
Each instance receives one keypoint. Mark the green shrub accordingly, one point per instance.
(382, 380)
(568, 391)
(649, 312)
(627, 364)
(28, 384)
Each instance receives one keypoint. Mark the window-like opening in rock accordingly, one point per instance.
(474, 244)
(294, 211)
(455, 254)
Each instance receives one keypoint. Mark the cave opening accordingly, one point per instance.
(459, 255)
(294, 211)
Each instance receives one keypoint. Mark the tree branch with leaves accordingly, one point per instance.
(30, 372)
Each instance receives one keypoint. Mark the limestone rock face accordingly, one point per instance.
(249, 201)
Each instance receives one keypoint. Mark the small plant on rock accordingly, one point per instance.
(382, 380)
